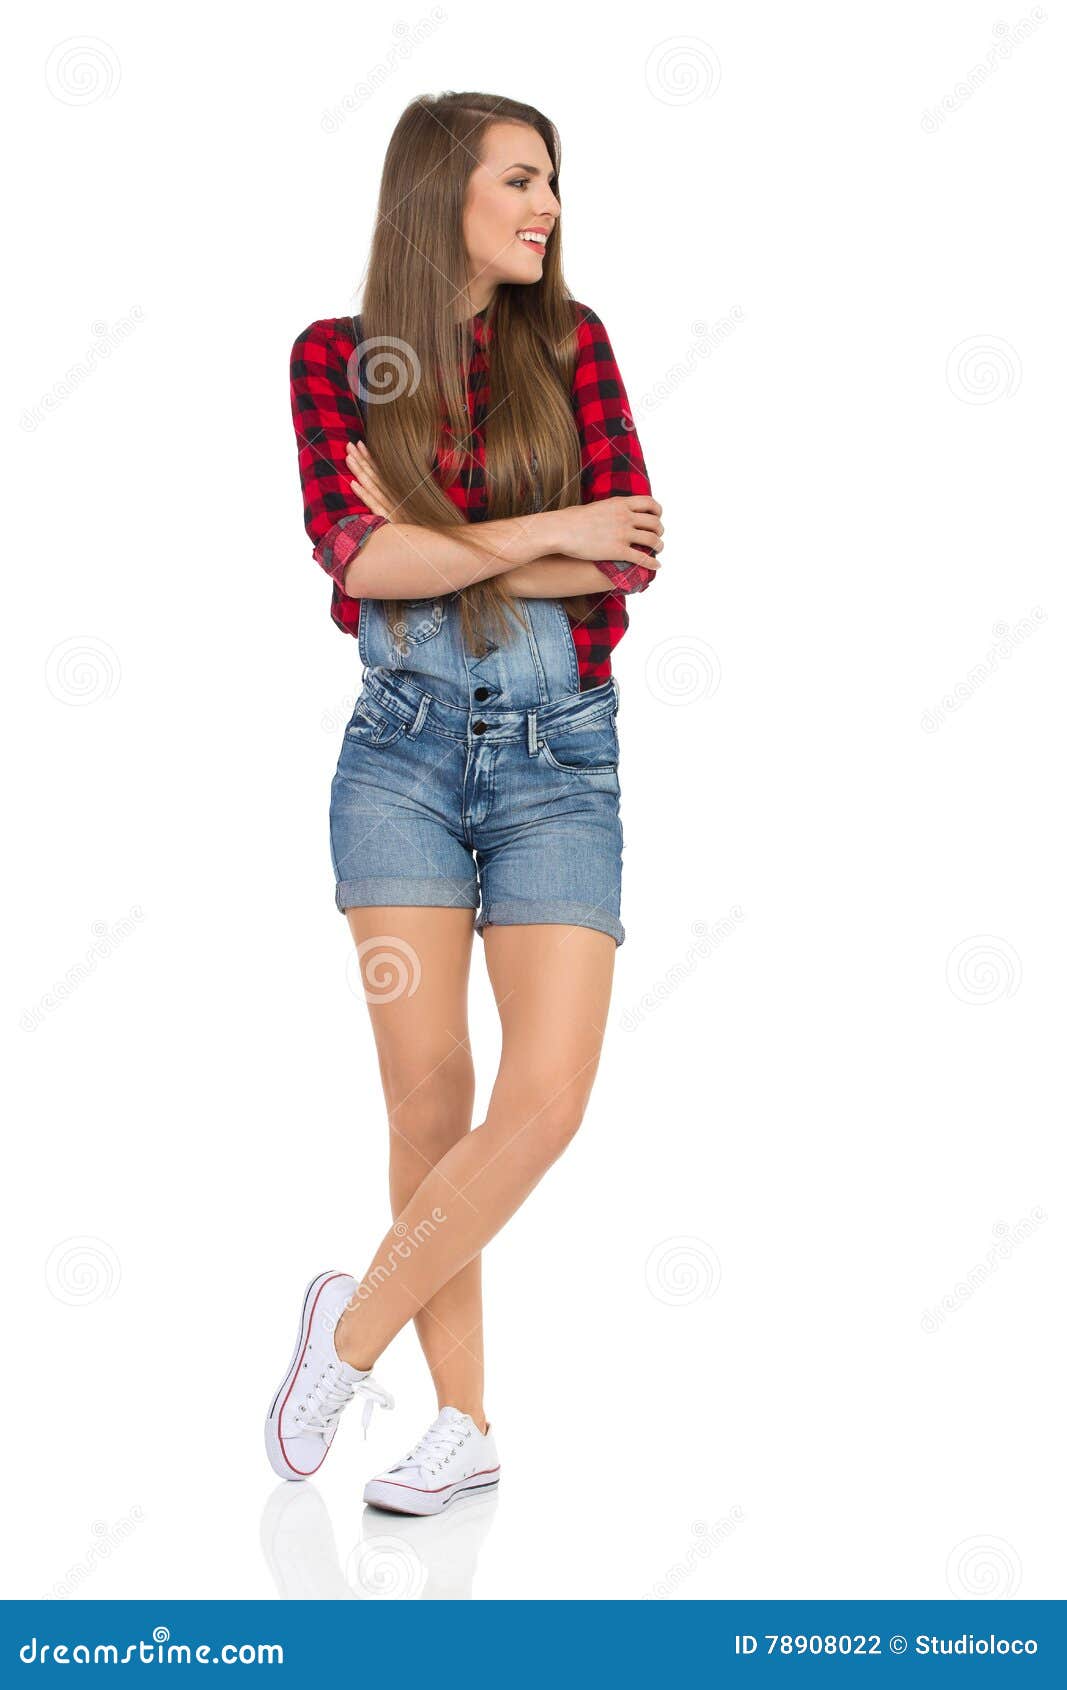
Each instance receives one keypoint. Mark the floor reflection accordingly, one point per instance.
(394, 1557)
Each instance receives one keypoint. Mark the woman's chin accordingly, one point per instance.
(525, 280)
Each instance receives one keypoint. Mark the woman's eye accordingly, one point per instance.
(519, 182)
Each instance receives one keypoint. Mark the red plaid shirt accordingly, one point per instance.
(326, 417)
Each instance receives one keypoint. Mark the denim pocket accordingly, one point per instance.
(591, 750)
(419, 621)
(372, 726)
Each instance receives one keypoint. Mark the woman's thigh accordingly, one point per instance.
(552, 985)
(414, 964)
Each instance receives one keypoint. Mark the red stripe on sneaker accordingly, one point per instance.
(303, 1472)
(421, 1489)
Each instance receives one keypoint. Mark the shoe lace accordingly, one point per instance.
(435, 1446)
(330, 1394)
(374, 1397)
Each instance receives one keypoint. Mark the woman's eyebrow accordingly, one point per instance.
(532, 168)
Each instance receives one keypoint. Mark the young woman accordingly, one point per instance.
(474, 487)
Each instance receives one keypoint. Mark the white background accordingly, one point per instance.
(810, 1126)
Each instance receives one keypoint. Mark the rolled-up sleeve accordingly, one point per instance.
(326, 417)
(612, 460)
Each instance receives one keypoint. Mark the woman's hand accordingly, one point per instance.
(366, 481)
(611, 530)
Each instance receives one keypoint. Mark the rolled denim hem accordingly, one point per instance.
(433, 893)
(522, 912)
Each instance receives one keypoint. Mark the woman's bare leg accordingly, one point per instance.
(424, 1058)
(552, 986)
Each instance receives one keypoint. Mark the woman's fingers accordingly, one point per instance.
(365, 479)
(363, 467)
(368, 497)
(368, 494)
(361, 463)
(646, 519)
(641, 538)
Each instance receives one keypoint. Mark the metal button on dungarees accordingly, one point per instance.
(479, 727)
(480, 693)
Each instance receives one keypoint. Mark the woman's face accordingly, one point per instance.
(510, 192)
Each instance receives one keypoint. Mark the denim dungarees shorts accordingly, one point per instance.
(489, 784)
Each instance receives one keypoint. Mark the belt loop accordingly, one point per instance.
(531, 731)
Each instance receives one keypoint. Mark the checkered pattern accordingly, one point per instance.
(326, 416)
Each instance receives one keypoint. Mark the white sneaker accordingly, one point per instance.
(453, 1457)
(318, 1385)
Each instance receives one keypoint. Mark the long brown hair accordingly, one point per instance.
(415, 288)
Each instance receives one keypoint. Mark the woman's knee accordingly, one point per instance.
(545, 1134)
(424, 1134)
(430, 1106)
(560, 1128)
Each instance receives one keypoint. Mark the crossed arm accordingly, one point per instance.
(532, 550)
(612, 535)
